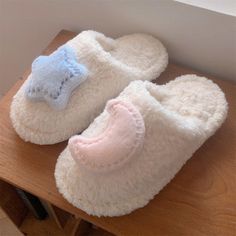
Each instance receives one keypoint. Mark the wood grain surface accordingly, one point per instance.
(200, 200)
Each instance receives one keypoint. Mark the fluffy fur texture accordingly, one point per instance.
(54, 77)
(121, 140)
(178, 117)
(112, 64)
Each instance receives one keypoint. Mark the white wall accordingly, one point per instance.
(222, 6)
(194, 37)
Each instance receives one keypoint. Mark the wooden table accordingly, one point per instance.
(201, 200)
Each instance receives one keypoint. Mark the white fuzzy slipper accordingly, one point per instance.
(95, 68)
(138, 144)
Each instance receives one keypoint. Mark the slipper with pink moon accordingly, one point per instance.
(138, 144)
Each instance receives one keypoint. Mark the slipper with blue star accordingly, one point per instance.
(67, 89)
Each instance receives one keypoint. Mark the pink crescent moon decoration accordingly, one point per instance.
(116, 145)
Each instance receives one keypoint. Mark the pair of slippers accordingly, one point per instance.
(142, 138)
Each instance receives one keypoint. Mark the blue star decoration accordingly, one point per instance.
(54, 77)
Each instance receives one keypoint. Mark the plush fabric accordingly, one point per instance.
(54, 77)
(111, 64)
(178, 118)
(121, 140)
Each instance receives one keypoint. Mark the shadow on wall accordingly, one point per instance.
(194, 37)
